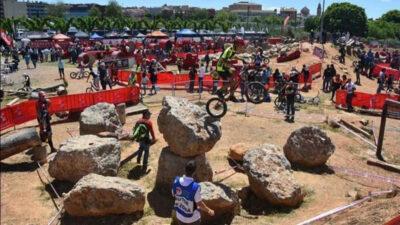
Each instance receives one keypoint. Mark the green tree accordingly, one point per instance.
(312, 23)
(95, 11)
(391, 16)
(113, 9)
(57, 10)
(381, 29)
(35, 24)
(346, 17)
(224, 15)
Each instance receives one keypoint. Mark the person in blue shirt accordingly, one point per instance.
(187, 196)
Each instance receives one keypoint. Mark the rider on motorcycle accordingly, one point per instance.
(226, 73)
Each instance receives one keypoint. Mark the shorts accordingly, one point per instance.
(224, 74)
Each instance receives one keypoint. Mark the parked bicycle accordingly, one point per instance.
(79, 74)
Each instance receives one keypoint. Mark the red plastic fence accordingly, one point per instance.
(365, 100)
(26, 111)
(389, 71)
(170, 78)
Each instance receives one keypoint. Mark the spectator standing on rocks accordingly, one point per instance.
(43, 117)
(188, 199)
(141, 133)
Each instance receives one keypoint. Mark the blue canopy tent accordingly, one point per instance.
(95, 36)
(186, 33)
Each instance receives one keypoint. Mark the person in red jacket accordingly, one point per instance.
(43, 117)
(141, 133)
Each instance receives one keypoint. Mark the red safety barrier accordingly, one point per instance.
(26, 111)
(365, 100)
(394, 221)
(6, 118)
(23, 112)
(389, 71)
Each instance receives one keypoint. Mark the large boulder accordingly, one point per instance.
(187, 128)
(308, 147)
(96, 195)
(98, 118)
(18, 141)
(270, 176)
(171, 165)
(80, 156)
(222, 199)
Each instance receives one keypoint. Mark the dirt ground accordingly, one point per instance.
(26, 197)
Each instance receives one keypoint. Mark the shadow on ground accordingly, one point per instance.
(105, 220)
(18, 167)
(256, 206)
(60, 186)
(318, 170)
(161, 202)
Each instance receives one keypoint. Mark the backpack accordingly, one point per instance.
(141, 132)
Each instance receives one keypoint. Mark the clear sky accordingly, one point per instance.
(373, 8)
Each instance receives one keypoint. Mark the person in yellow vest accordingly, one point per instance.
(226, 73)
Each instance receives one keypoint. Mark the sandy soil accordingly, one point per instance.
(25, 199)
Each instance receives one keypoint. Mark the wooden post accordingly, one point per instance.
(392, 106)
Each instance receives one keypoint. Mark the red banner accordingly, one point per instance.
(389, 71)
(26, 111)
(365, 100)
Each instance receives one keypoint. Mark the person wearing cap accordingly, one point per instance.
(141, 133)
(290, 93)
(188, 201)
(43, 117)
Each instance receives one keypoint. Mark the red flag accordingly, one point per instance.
(285, 23)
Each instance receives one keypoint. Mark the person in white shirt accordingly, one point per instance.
(202, 71)
(350, 89)
(187, 196)
(381, 81)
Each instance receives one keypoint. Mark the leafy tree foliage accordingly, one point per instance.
(346, 17)
(95, 12)
(113, 9)
(391, 16)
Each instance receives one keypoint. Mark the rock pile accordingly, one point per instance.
(190, 132)
(80, 156)
(309, 147)
(222, 199)
(96, 195)
(187, 128)
(276, 50)
(270, 176)
(99, 118)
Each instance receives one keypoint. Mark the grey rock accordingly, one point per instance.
(270, 176)
(96, 195)
(171, 165)
(99, 118)
(83, 155)
(222, 199)
(309, 147)
(187, 128)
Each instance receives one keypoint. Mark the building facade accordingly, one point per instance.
(319, 9)
(36, 9)
(81, 10)
(13, 8)
(2, 10)
(247, 10)
(291, 12)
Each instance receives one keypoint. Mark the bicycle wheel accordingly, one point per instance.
(89, 90)
(73, 75)
(86, 74)
(266, 60)
(299, 98)
(255, 92)
(280, 103)
(216, 107)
